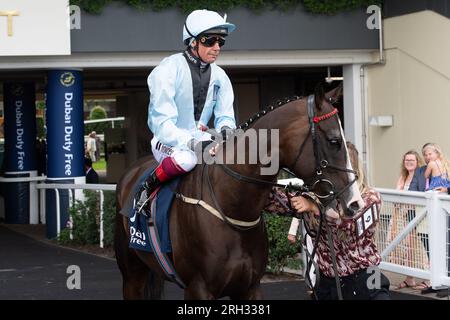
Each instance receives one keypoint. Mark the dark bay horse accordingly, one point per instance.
(213, 258)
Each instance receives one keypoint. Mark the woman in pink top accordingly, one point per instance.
(412, 253)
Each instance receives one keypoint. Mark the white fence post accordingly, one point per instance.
(58, 213)
(437, 239)
(101, 218)
(33, 200)
(42, 205)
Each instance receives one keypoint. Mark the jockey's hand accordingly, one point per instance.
(303, 205)
(199, 146)
(226, 132)
(292, 239)
(441, 189)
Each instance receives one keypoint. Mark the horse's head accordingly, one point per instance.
(315, 150)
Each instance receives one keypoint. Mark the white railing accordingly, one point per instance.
(65, 186)
(37, 184)
(34, 214)
(413, 234)
(105, 120)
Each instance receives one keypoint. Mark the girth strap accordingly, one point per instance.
(216, 213)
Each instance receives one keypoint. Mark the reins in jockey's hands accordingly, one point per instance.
(226, 132)
(201, 146)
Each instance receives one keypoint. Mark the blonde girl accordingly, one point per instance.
(438, 168)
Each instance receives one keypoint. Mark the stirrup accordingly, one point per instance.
(144, 197)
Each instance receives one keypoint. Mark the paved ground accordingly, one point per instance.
(36, 270)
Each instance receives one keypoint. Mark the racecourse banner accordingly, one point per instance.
(65, 126)
(20, 127)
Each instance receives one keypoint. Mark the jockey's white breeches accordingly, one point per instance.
(186, 159)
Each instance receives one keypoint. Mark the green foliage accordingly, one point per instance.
(40, 105)
(330, 7)
(281, 251)
(313, 6)
(64, 237)
(40, 131)
(98, 112)
(109, 215)
(86, 220)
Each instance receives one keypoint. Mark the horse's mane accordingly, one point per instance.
(319, 93)
(251, 121)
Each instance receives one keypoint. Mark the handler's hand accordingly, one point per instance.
(303, 205)
(292, 239)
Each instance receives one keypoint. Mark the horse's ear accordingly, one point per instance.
(319, 95)
(335, 94)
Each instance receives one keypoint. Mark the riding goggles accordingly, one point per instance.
(209, 41)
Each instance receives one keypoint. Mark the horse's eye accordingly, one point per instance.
(335, 142)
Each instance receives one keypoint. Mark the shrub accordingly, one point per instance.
(84, 215)
(109, 215)
(98, 112)
(281, 251)
(86, 220)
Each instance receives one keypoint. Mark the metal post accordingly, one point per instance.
(437, 239)
(58, 213)
(34, 215)
(42, 205)
(101, 218)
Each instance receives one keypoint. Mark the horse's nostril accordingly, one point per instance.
(354, 205)
(349, 212)
(352, 209)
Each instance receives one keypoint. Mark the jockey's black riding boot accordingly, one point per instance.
(148, 187)
(151, 183)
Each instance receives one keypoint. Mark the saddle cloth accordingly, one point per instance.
(139, 222)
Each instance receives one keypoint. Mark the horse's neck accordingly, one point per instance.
(243, 198)
(239, 199)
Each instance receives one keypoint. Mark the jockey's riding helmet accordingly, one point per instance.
(205, 22)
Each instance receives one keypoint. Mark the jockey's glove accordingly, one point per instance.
(196, 145)
(226, 132)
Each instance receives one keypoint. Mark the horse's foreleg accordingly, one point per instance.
(254, 293)
(135, 285)
(197, 291)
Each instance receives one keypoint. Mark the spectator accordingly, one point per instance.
(91, 174)
(402, 215)
(97, 145)
(437, 168)
(418, 182)
(91, 147)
